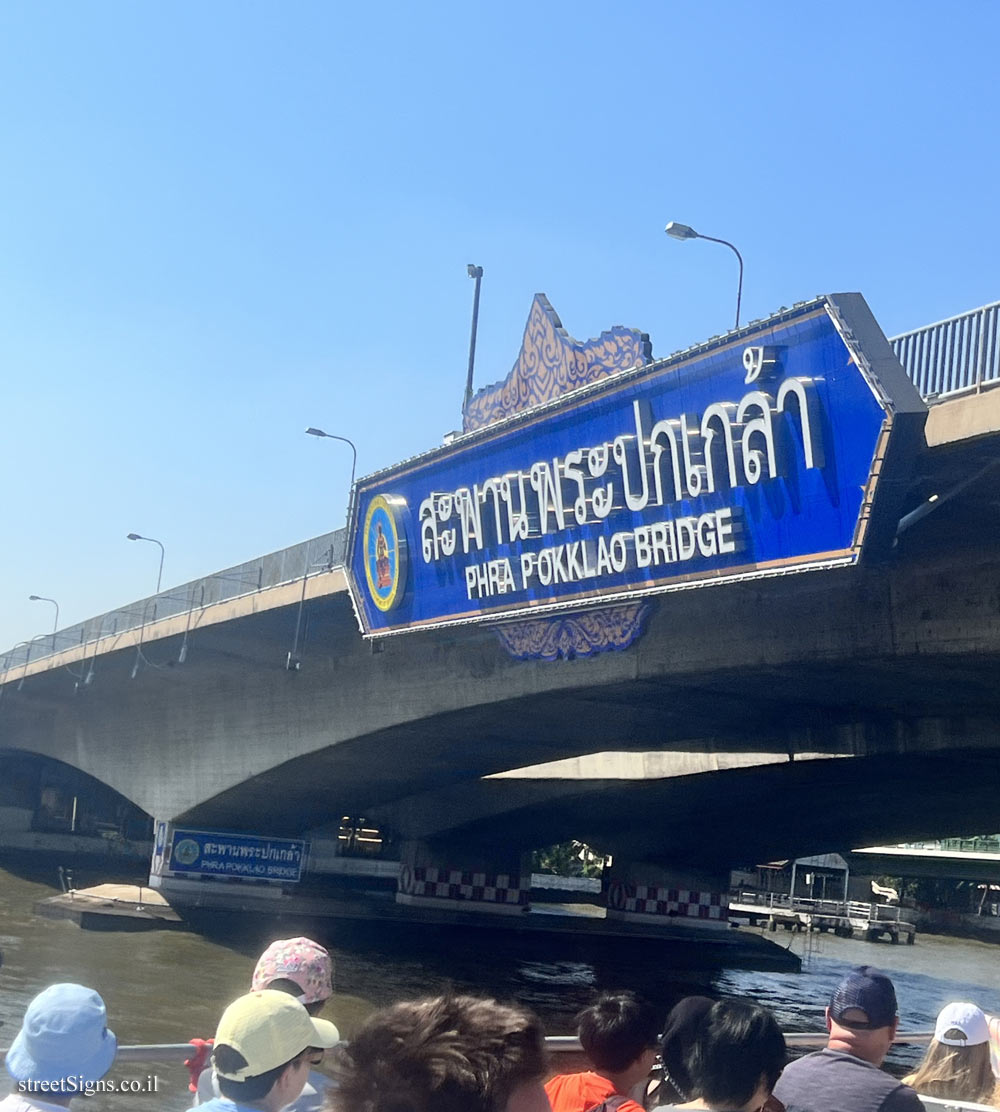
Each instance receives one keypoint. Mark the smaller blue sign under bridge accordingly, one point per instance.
(210, 853)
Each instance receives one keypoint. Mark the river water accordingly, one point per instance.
(169, 986)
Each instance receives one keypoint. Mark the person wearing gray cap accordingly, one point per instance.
(846, 1076)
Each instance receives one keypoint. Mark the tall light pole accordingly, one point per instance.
(152, 540)
(55, 624)
(475, 272)
(343, 440)
(682, 231)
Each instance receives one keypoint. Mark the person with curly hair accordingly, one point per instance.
(443, 1054)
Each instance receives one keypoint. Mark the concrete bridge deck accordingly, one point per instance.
(912, 861)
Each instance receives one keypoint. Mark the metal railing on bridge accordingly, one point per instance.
(288, 565)
(955, 355)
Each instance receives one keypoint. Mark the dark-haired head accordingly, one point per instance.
(616, 1030)
(283, 984)
(252, 1089)
(679, 1033)
(737, 1057)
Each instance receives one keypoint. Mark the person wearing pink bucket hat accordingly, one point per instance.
(303, 962)
(304, 969)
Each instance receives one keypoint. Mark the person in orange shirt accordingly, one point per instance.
(619, 1034)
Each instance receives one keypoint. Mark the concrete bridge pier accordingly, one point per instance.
(450, 877)
(643, 892)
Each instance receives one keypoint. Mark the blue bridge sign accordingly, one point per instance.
(759, 453)
(212, 853)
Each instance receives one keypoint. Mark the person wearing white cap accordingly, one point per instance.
(63, 1047)
(304, 969)
(957, 1063)
(264, 1045)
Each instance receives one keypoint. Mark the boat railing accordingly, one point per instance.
(556, 1044)
(937, 1104)
(797, 1040)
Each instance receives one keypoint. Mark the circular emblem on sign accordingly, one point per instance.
(616, 896)
(385, 551)
(186, 851)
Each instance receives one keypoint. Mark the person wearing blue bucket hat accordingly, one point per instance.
(64, 1045)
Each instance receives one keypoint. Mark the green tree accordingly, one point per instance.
(571, 858)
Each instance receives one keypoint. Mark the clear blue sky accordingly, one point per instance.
(223, 222)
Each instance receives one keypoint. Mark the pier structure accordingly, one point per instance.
(844, 918)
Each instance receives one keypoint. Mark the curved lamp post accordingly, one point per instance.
(476, 273)
(343, 440)
(55, 624)
(152, 540)
(682, 231)
(292, 661)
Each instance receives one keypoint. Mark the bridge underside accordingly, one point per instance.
(793, 809)
(974, 866)
(402, 774)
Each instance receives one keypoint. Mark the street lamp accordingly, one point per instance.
(55, 624)
(683, 231)
(152, 540)
(476, 273)
(343, 440)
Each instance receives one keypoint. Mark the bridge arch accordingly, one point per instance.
(41, 795)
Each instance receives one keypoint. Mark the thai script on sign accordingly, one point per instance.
(655, 463)
(265, 852)
(216, 852)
